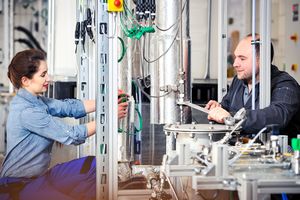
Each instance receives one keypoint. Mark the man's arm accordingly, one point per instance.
(284, 105)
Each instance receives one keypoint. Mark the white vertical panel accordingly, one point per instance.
(64, 47)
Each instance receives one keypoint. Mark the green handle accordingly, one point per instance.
(296, 144)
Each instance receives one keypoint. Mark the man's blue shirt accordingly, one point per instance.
(32, 129)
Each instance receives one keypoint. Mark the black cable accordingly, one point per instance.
(163, 54)
(31, 37)
(89, 24)
(176, 22)
(25, 41)
(82, 32)
(148, 95)
(77, 35)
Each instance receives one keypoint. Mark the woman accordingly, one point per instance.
(32, 130)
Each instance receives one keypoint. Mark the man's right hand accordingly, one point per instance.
(212, 104)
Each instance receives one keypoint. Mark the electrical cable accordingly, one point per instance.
(140, 120)
(30, 36)
(176, 22)
(25, 41)
(123, 49)
(150, 96)
(77, 35)
(142, 69)
(164, 53)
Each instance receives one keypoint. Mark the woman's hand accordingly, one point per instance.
(122, 104)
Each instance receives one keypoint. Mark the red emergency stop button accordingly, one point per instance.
(294, 37)
(294, 67)
(117, 3)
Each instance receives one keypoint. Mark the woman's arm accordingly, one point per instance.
(91, 128)
(89, 105)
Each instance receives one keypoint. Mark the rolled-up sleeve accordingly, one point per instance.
(39, 122)
(65, 108)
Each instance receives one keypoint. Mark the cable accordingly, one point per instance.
(89, 24)
(140, 120)
(176, 22)
(77, 35)
(147, 95)
(142, 69)
(30, 36)
(25, 41)
(164, 53)
(123, 49)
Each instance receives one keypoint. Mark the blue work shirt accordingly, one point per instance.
(283, 110)
(32, 129)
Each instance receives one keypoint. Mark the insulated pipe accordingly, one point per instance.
(125, 139)
(166, 70)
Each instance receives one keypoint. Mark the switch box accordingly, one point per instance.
(115, 5)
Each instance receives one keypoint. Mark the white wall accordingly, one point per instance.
(237, 9)
(198, 32)
(64, 48)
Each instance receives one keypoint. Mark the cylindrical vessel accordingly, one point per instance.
(166, 70)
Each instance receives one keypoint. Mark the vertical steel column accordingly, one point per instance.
(8, 21)
(84, 73)
(222, 49)
(265, 53)
(82, 54)
(253, 53)
(50, 42)
(106, 111)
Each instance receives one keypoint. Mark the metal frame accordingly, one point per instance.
(106, 105)
(265, 53)
(222, 49)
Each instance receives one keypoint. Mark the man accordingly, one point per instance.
(285, 96)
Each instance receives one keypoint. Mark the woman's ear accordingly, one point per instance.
(25, 81)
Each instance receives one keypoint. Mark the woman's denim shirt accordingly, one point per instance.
(32, 128)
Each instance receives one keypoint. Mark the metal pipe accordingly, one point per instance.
(164, 71)
(50, 42)
(265, 53)
(222, 50)
(253, 52)
(207, 72)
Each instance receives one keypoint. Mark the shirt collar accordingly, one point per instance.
(27, 95)
(245, 84)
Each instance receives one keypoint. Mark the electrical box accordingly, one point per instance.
(115, 5)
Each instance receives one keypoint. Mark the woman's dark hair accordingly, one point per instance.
(24, 64)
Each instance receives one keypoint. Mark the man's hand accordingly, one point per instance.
(122, 104)
(212, 104)
(218, 114)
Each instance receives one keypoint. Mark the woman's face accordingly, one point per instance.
(39, 81)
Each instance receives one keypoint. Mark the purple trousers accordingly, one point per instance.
(75, 180)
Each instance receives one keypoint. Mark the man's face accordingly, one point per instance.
(243, 60)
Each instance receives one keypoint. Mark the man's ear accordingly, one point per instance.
(25, 81)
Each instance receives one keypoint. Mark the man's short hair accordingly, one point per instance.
(257, 45)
